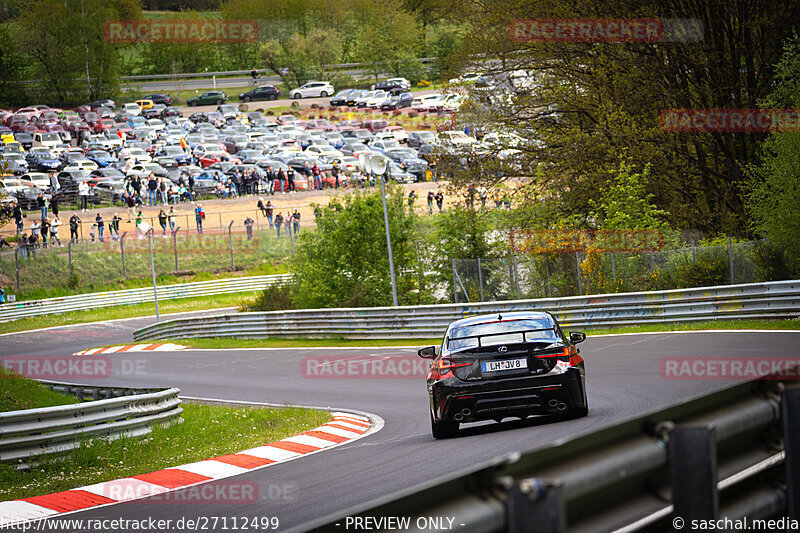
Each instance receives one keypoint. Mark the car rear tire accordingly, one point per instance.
(323, 94)
(273, 96)
(192, 104)
(443, 429)
(246, 99)
(296, 96)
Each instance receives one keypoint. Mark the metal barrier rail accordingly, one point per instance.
(80, 302)
(29, 433)
(780, 299)
(731, 454)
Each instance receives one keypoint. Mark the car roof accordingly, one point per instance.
(504, 316)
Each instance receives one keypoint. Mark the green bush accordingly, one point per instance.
(272, 298)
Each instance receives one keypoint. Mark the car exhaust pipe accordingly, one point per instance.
(466, 412)
(561, 406)
(458, 417)
(553, 402)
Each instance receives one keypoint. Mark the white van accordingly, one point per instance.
(48, 140)
(132, 109)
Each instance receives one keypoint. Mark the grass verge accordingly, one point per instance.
(207, 431)
(129, 311)
(19, 393)
(227, 343)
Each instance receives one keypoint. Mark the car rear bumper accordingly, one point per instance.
(455, 400)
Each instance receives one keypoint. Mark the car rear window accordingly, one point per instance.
(502, 332)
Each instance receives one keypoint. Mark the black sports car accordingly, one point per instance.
(491, 367)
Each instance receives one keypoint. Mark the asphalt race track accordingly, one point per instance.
(623, 380)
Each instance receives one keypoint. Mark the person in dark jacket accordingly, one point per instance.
(74, 223)
(152, 187)
(18, 216)
(279, 223)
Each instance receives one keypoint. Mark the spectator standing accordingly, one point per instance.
(278, 223)
(54, 225)
(162, 188)
(74, 222)
(18, 216)
(45, 231)
(430, 201)
(24, 245)
(317, 176)
(92, 231)
(335, 174)
(41, 203)
(171, 219)
(101, 226)
(296, 221)
(53, 183)
(162, 221)
(434, 170)
(138, 223)
(136, 183)
(482, 195)
(83, 192)
(290, 179)
(248, 226)
(199, 216)
(412, 196)
(268, 209)
(35, 228)
(439, 199)
(152, 187)
(191, 184)
(54, 204)
(114, 226)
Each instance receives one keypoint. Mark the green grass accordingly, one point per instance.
(129, 311)
(207, 431)
(227, 343)
(18, 393)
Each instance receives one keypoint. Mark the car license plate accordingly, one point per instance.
(505, 364)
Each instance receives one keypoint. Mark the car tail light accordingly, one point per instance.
(569, 354)
(445, 365)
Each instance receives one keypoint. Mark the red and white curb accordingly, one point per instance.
(158, 347)
(342, 429)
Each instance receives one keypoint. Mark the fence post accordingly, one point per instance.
(153, 271)
(480, 279)
(516, 277)
(175, 245)
(580, 278)
(230, 241)
(652, 264)
(455, 292)
(122, 251)
(16, 265)
(220, 219)
(730, 257)
(291, 236)
(547, 270)
(69, 253)
(694, 253)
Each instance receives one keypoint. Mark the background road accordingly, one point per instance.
(623, 381)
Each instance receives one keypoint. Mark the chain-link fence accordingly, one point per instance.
(571, 274)
(124, 261)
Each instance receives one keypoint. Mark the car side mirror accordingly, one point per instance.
(577, 336)
(429, 352)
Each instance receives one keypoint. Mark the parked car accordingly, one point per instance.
(312, 89)
(158, 98)
(392, 86)
(418, 138)
(208, 98)
(263, 92)
(354, 96)
(340, 98)
(397, 101)
(490, 367)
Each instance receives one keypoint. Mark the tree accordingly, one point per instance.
(773, 196)
(626, 204)
(586, 102)
(344, 263)
(69, 50)
(390, 39)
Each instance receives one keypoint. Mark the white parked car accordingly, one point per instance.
(377, 99)
(312, 89)
(324, 151)
(362, 100)
(81, 164)
(132, 109)
(49, 140)
(137, 154)
(422, 103)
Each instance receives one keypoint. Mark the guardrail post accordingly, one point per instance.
(730, 257)
(693, 473)
(534, 505)
(790, 411)
(580, 277)
(122, 252)
(230, 241)
(480, 279)
(175, 246)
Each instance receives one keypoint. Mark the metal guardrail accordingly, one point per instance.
(80, 302)
(730, 454)
(780, 299)
(224, 73)
(30, 433)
